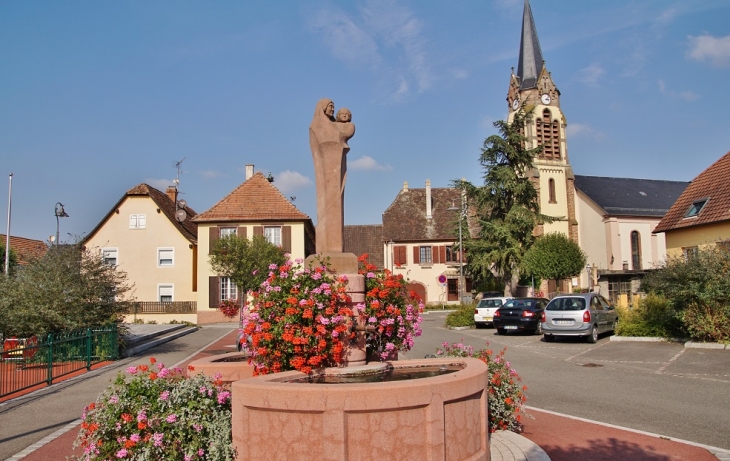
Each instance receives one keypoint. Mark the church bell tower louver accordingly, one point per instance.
(533, 89)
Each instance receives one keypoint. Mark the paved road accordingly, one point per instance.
(662, 388)
(28, 419)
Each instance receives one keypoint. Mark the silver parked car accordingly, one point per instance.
(584, 314)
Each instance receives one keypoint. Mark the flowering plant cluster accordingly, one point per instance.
(506, 397)
(298, 319)
(157, 413)
(391, 314)
(229, 307)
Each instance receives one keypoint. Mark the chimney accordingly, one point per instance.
(428, 199)
(172, 193)
(405, 186)
(249, 171)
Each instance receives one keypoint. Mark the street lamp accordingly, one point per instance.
(461, 249)
(60, 213)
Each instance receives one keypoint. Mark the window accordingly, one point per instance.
(548, 136)
(452, 256)
(109, 255)
(696, 208)
(228, 289)
(273, 235)
(226, 231)
(165, 292)
(689, 253)
(551, 190)
(165, 257)
(137, 221)
(635, 251)
(426, 256)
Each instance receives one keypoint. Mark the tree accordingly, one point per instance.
(12, 260)
(506, 207)
(554, 257)
(245, 261)
(66, 289)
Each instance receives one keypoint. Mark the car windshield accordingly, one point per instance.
(567, 304)
(490, 303)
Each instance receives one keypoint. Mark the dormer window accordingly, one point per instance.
(696, 208)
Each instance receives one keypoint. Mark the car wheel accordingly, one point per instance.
(593, 337)
(548, 338)
(538, 329)
(500, 331)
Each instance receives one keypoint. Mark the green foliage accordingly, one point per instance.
(555, 257)
(506, 207)
(698, 290)
(158, 413)
(652, 317)
(69, 288)
(505, 394)
(463, 316)
(245, 261)
(12, 259)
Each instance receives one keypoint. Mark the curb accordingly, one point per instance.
(687, 344)
(156, 342)
(508, 446)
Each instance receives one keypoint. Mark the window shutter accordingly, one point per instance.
(214, 292)
(132, 221)
(214, 233)
(286, 238)
(142, 221)
(241, 232)
(435, 255)
(399, 255)
(258, 230)
(416, 255)
(442, 254)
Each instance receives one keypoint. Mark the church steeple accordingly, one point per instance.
(531, 62)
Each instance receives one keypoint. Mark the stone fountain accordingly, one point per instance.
(431, 409)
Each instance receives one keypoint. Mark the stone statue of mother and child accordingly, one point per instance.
(328, 136)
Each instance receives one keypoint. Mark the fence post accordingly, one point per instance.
(88, 348)
(49, 378)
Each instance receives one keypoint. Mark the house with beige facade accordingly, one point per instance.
(256, 207)
(420, 237)
(700, 217)
(149, 235)
(617, 217)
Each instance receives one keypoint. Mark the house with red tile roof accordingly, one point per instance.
(701, 215)
(25, 249)
(256, 207)
(150, 235)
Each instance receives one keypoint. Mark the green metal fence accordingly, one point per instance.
(29, 362)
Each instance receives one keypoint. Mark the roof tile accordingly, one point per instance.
(366, 238)
(405, 219)
(26, 249)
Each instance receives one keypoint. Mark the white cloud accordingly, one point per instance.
(575, 130)
(210, 174)
(160, 184)
(686, 95)
(289, 181)
(591, 74)
(368, 163)
(709, 48)
(667, 16)
(385, 38)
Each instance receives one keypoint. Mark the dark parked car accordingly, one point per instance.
(520, 314)
(585, 314)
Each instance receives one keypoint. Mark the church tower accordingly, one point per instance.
(533, 88)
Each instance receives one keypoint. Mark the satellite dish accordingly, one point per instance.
(180, 215)
(182, 203)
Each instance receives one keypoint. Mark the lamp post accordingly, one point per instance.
(60, 213)
(461, 250)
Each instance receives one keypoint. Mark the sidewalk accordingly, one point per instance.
(563, 438)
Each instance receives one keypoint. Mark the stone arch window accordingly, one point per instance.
(551, 191)
(635, 250)
(548, 135)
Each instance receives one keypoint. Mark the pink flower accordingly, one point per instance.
(113, 399)
(171, 418)
(131, 371)
(122, 453)
(201, 452)
(223, 397)
(165, 395)
(141, 416)
(157, 437)
(135, 438)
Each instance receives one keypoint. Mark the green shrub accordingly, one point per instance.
(653, 316)
(708, 322)
(463, 316)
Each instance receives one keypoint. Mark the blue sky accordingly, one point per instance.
(97, 97)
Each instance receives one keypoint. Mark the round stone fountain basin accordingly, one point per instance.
(231, 367)
(435, 418)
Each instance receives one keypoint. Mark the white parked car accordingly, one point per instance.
(484, 312)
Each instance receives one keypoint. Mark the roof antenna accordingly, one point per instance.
(180, 213)
(179, 171)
